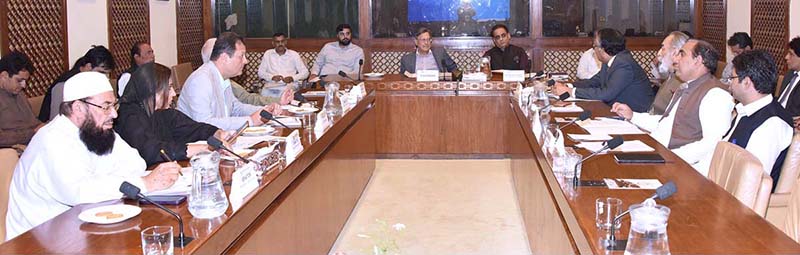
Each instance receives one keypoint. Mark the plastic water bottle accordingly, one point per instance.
(207, 199)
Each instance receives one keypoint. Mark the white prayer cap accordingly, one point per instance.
(85, 84)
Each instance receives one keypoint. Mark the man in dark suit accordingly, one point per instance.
(620, 80)
(425, 57)
(789, 97)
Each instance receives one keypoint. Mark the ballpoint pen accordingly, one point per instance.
(164, 154)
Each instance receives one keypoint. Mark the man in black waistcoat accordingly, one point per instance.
(762, 126)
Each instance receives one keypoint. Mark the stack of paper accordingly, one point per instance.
(632, 183)
(608, 126)
(568, 108)
(627, 146)
(292, 122)
(581, 137)
(182, 186)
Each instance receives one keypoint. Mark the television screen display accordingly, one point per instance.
(448, 10)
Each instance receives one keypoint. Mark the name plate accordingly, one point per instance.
(245, 181)
(293, 146)
(513, 75)
(427, 75)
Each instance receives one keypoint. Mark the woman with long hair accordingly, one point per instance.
(148, 122)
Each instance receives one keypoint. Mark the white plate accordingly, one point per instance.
(258, 131)
(122, 212)
(373, 75)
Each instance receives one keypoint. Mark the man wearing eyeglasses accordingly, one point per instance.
(17, 122)
(699, 113)
(504, 56)
(78, 158)
(341, 55)
(426, 57)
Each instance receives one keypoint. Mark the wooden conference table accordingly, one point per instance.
(303, 209)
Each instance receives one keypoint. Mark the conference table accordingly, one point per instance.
(302, 209)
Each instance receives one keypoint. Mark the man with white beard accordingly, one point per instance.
(664, 70)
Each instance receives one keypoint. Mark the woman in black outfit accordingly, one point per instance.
(148, 123)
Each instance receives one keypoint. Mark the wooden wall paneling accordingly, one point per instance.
(128, 23)
(192, 30)
(769, 28)
(714, 28)
(38, 29)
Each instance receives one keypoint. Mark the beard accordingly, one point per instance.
(664, 66)
(344, 42)
(97, 140)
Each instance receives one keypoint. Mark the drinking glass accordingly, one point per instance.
(157, 240)
(605, 210)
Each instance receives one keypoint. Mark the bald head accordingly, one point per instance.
(205, 53)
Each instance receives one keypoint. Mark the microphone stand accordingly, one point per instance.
(131, 191)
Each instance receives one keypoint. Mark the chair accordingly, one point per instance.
(8, 160)
(779, 202)
(180, 73)
(791, 222)
(778, 87)
(720, 68)
(740, 173)
(36, 104)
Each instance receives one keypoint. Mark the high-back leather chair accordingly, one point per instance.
(790, 171)
(180, 73)
(8, 160)
(36, 104)
(777, 93)
(720, 68)
(791, 221)
(740, 173)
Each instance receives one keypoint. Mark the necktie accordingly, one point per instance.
(788, 90)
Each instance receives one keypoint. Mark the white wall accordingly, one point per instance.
(794, 18)
(87, 25)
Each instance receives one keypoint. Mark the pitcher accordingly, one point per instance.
(648, 233)
(333, 105)
(207, 199)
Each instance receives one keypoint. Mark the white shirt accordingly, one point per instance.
(588, 65)
(288, 64)
(207, 97)
(57, 172)
(788, 90)
(715, 118)
(122, 82)
(333, 58)
(425, 62)
(769, 139)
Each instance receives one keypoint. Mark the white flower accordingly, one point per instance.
(399, 226)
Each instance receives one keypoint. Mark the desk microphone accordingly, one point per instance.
(360, 63)
(133, 192)
(268, 116)
(551, 82)
(343, 74)
(584, 116)
(663, 192)
(563, 96)
(299, 97)
(217, 144)
(610, 145)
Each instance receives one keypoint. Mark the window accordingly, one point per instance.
(297, 18)
(631, 17)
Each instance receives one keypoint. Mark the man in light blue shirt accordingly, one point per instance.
(207, 95)
(340, 55)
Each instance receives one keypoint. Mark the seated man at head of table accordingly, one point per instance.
(341, 55)
(240, 92)
(699, 113)
(78, 158)
(762, 126)
(207, 95)
(426, 57)
(280, 66)
(504, 56)
(620, 80)
(17, 122)
(664, 68)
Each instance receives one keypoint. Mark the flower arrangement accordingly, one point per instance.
(383, 237)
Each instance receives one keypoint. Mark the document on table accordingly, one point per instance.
(245, 142)
(627, 146)
(292, 122)
(615, 183)
(182, 186)
(608, 126)
(568, 108)
(590, 137)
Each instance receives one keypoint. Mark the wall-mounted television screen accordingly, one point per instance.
(449, 10)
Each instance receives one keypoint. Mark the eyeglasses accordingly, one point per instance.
(106, 108)
(728, 79)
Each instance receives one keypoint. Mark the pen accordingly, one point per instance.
(164, 154)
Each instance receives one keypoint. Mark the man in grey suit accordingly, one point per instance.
(426, 58)
(620, 80)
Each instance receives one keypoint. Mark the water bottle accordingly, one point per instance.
(648, 233)
(333, 105)
(207, 199)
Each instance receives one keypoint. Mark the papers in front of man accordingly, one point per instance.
(627, 146)
(609, 126)
(182, 186)
(568, 108)
(589, 137)
(616, 183)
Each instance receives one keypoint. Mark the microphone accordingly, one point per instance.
(551, 82)
(610, 145)
(299, 97)
(663, 192)
(584, 116)
(343, 74)
(563, 96)
(133, 192)
(217, 144)
(443, 69)
(360, 63)
(268, 116)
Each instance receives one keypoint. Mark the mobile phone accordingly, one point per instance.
(164, 200)
(593, 183)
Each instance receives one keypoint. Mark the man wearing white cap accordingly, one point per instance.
(78, 158)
